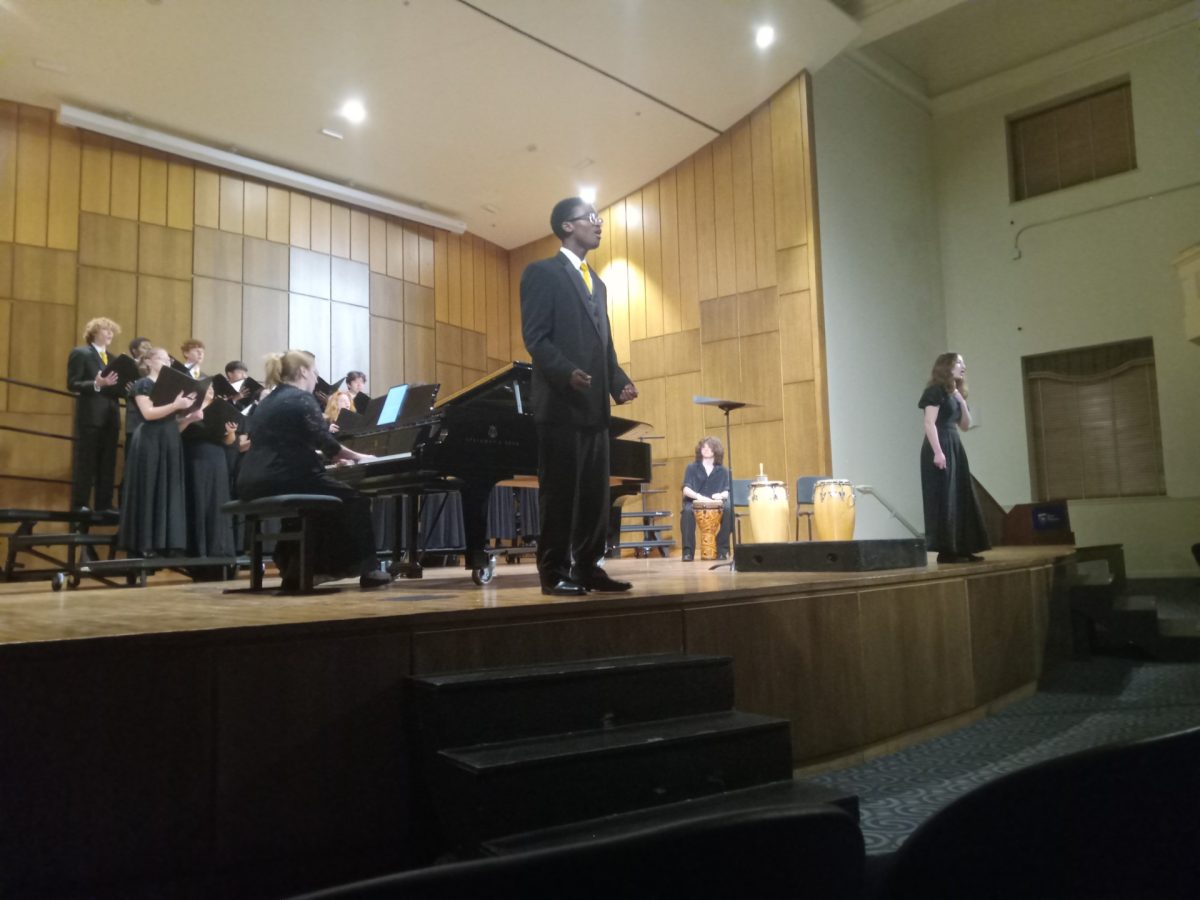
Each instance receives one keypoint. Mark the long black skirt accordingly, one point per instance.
(210, 531)
(953, 521)
(153, 509)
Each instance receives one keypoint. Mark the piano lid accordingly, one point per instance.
(506, 388)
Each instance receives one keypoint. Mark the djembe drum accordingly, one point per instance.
(708, 522)
(833, 510)
(769, 514)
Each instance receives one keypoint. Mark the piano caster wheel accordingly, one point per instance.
(484, 576)
(57, 580)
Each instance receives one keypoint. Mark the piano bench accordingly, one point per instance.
(282, 506)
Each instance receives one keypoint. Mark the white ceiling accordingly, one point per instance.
(507, 104)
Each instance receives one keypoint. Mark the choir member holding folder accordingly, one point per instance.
(97, 417)
(209, 531)
(153, 512)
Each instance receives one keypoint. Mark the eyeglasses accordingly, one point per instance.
(590, 217)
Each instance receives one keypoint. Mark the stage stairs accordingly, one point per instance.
(1157, 619)
(548, 754)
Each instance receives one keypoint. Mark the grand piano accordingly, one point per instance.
(473, 439)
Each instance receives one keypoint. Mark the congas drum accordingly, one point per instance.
(769, 515)
(708, 523)
(833, 510)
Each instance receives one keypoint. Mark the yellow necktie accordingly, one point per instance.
(587, 276)
(103, 358)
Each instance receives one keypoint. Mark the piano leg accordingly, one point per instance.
(406, 554)
(475, 498)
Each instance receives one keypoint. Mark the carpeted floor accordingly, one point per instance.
(1079, 705)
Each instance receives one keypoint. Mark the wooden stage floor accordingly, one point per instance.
(30, 613)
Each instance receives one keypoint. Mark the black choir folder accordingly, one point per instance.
(171, 381)
(350, 422)
(239, 397)
(216, 414)
(126, 368)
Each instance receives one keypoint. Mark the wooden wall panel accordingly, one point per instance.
(308, 326)
(395, 249)
(217, 254)
(689, 271)
(527, 643)
(164, 251)
(903, 691)
(684, 422)
(349, 340)
(635, 272)
(449, 344)
(760, 381)
(787, 162)
(108, 242)
(453, 280)
(181, 195)
(387, 354)
(412, 252)
(744, 220)
(360, 236)
(377, 241)
(652, 259)
(44, 275)
(795, 330)
(207, 200)
(474, 350)
(387, 296)
(33, 176)
(8, 169)
(801, 434)
(300, 231)
(109, 293)
(309, 273)
(5, 371)
(62, 227)
(1002, 633)
(124, 198)
(450, 377)
(265, 263)
(54, 324)
(152, 190)
(339, 231)
(706, 226)
(480, 251)
(764, 197)
(6, 270)
(420, 363)
(164, 311)
(279, 215)
(668, 218)
(418, 305)
(319, 233)
(232, 204)
(725, 211)
(264, 325)
(467, 257)
(31, 456)
(254, 210)
(95, 173)
(217, 320)
(350, 282)
(425, 240)
(797, 658)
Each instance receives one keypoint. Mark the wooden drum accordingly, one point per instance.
(769, 514)
(708, 523)
(833, 510)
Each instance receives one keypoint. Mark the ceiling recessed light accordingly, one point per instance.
(353, 111)
(587, 194)
(764, 37)
(329, 132)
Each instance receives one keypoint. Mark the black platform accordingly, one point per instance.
(831, 556)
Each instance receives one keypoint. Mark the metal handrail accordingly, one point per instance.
(868, 489)
(36, 387)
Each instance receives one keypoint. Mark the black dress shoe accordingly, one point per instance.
(687, 556)
(564, 587)
(603, 583)
(375, 579)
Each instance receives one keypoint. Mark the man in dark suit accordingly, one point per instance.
(564, 317)
(97, 417)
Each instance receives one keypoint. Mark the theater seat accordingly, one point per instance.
(1113, 821)
(810, 852)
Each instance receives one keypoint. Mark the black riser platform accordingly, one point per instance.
(460, 709)
(831, 556)
(487, 792)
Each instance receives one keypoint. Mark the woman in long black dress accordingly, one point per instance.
(953, 523)
(153, 511)
(286, 432)
(210, 531)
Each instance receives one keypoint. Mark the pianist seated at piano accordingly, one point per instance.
(287, 436)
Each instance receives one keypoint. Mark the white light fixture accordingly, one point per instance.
(764, 36)
(330, 133)
(353, 111)
(587, 194)
(169, 143)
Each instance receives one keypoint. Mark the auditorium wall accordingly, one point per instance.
(91, 226)
(714, 290)
(1088, 265)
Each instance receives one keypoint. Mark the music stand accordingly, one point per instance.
(726, 406)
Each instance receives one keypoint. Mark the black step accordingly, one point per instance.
(777, 795)
(493, 790)
(68, 539)
(646, 526)
(457, 709)
(639, 545)
(646, 513)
